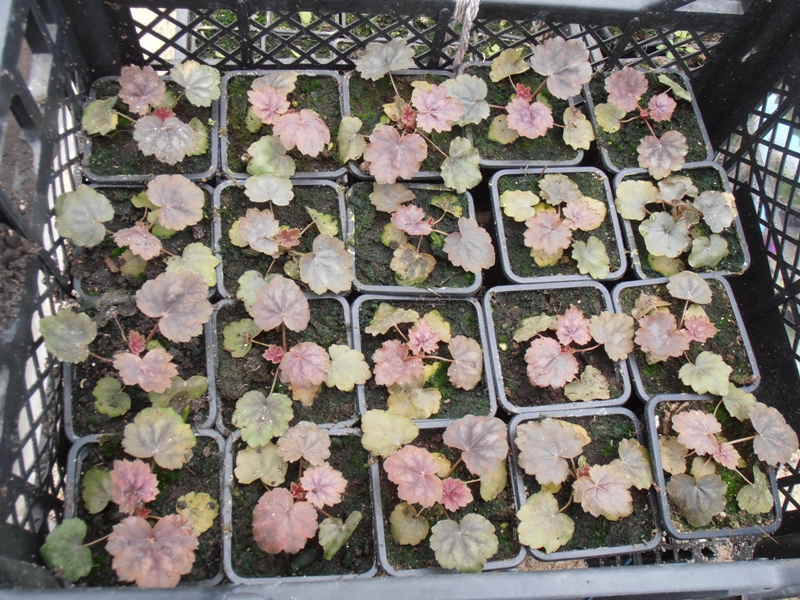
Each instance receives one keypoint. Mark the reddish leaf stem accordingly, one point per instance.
(432, 143)
(453, 468)
(151, 334)
(93, 355)
(97, 541)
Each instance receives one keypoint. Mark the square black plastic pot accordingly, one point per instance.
(614, 166)
(383, 488)
(230, 132)
(80, 452)
(363, 241)
(233, 497)
(501, 341)
(510, 231)
(725, 303)
(307, 192)
(157, 167)
(733, 264)
(646, 500)
(672, 527)
(483, 394)
(550, 143)
(241, 368)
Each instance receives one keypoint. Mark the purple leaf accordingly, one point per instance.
(625, 87)
(482, 441)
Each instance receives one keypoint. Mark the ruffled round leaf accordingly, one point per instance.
(395, 365)
(708, 251)
(615, 332)
(455, 494)
(546, 445)
(269, 188)
(303, 129)
(268, 157)
(661, 107)
(414, 471)
(470, 91)
(180, 201)
(326, 224)
(634, 463)
(407, 527)
(411, 267)
(578, 130)
(348, 368)
(282, 525)
(592, 385)
(141, 88)
(280, 80)
(200, 509)
(718, 208)
(384, 433)
(699, 329)
(387, 316)
(100, 117)
(519, 204)
(608, 117)
(533, 325)
(465, 547)
(508, 62)
(592, 258)
(250, 283)
(738, 403)
(604, 492)
(110, 400)
(709, 374)
(625, 87)
(141, 242)
(436, 109)
(500, 132)
(697, 431)
(133, 484)
(261, 417)
(573, 326)
(180, 301)
(461, 170)
(258, 228)
(333, 534)
(556, 188)
(422, 339)
(281, 301)
(565, 63)
(67, 335)
(324, 485)
(268, 103)
(675, 188)
(238, 337)
(170, 139)
(411, 219)
(305, 441)
(673, 454)
(664, 236)
(530, 120)
(726, 455)
(663, 156)
(381, 58)
(391, 157)
(389, 196)
(350, 142)
(775, 442)
(698, 500)
(305, 365)
(196, 258)
(80, 214)
(665, 266)
(263, 462)
(329, 267)
(159, 433)
(586, 214)
(180, 393)
(153, 372)
(199, 82)
(494, 482)
(756, 498)
(542, 525)
(470, 247)
(689, 286)
(546, 232)
(482, 441)
(65, 552)
(96, 490)
(413, 402)
(549, 365)
(659, 337)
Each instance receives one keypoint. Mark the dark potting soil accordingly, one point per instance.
(463, 319)
(200, 474)
(509, 309)
(501, 512)
(373, 257)
(15, 253)
(357, 556)
(189, 357)
(662, 377)
(234, 205)
(98, 268)
(606, 431)
(706, 178)
(368, 97)
(320, 93)
(235, 376)
(118, 154)
(621, 146)
(549, 147)
(732, 429)
(519, 254)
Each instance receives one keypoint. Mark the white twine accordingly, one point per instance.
(465, 13)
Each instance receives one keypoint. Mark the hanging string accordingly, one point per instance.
(465, 13)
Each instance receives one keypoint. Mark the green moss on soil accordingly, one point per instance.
(549, 147)
(91, 267)
(522, 265)
(621, 146)
(508, 311)
(373, 258)
(234, 205)
(118, 154)
(321, 94)
(235, 376)
(706, 178)
(463, 319)
(200, 474)
(606, 431)
(662, 377)
(501, 512)
(355, 557)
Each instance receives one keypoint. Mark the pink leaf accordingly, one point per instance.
(273, 354)
(153, 373)
(581, 215)
(726, 455)
(268, 103)
(391, 156)
(549, 365)
(470, 247)
(699, 329)
(696, 431)
(141, 88)
(482, 441)
(523, 91)
(324, 485)
(529, 120)
(393, 365)
(133, 485)
(573, 327)
(661, 107)
(663, 156)
(303, 129)
(422, 339)
(604, 490)
(411, 219)
(140, 241)
(281, 301)
(546, 232)
(435, 109)
(288, 238)
(455, 494)
(282, 525)
(180, 201)
(776, 441)
(136, 342)
(467, 367)
(658, 336)
(305, 365)
(414, 471)
(259, 228)
(625, 87)
(565, 63)
(180, 301)
(305, 441)
(153, 558)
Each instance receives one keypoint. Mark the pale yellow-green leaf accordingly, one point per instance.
(673, 454)
(333, 534)
(414, 402)
(578, 130)
(666, 266)
(443, 465)
(439, 325)
(200, 140)
(100, 117)
(96, 490)
(385, 433)
(449, 204)
(738, 403)
(677, 89)
(608, 117)
(518, 204)
(634, 463)
(110, 400)
(393, 237)
(632, 196)
(407, 527)
(592, 258)
(592, 385)
(327, 224)
(500, 132)
(387, 316)
(494, 482)
(756, 498)
(461, 170)
(702, 465)
(689, 286)
(283, 81)
(542, 525)
(200, 509)
(508, 62)
(411, 267)
(530, 326)
(196, 258)
(351, 142)
(250, 283)
(264, 463)
(252, 122)
(708, 251)
(347, 368)
(708, 374)
(543, 259)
